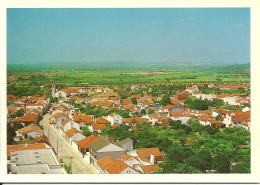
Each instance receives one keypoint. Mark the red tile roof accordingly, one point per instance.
(11, 97)
(150, 169)
(168, 107)
(84, 143)
(26, 118)
(98, 126)
(113, 114)
(153, 116)
(42, 139)
(23, 147)
(30, 127)
(56, 115)
(83, 118)
(72, 131)
(69, 90)
(174, 101)
(182, 96)
(102, 120)
(183, 92)
(117, 167)
(34, 104)
(105, 162)
(146, 152)
(177, 114)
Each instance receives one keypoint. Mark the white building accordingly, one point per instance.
(35, 161)
(114, 118)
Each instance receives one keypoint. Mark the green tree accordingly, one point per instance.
(183, 168)
(67, 168)
(165, 100)
(218, 118)
(183, 140)
(134, 101)
(17, 126)
(221, 163)
(240, 168)
(195, 126)
(150, 111)
(10, 134)
(18, 113)
(86, 131)
(143, 112)
(202, 160)
(160, 171)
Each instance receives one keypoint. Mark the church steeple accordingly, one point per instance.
(53, 89)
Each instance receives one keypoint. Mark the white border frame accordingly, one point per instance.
(154, 178)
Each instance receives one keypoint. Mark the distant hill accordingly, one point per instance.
(128, 66)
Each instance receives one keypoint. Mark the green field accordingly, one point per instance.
(126, 73)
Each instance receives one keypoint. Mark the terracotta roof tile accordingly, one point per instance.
(102, 120)
(150, 169)
(23, 147)
(105, 162)
(11, 97)
(117, 167)
(177, 114)
(98, 126)
(26, 118)
(83, 118)
(30, 127)
(72, 131)
(84, 143)
(174, 101)
(168, 107)
(183, 92)
(56, 115)
(42, 139)
(146, 152)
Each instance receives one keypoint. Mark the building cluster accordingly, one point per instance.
(106, 154)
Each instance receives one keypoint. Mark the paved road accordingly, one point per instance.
(65, 150)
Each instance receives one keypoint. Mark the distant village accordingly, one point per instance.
(43, 129)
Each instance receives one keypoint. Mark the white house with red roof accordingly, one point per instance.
(230, 100)
(152, 118)
(147, 156)
(31, 130)
(69, 124)
(192, 89)
(96, 128)
(64, 93)
(181, 116)
(74, 135)
(114, 118)
(58, 118)
(131, 161)
(108, 165)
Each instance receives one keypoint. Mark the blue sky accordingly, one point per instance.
(146, 35)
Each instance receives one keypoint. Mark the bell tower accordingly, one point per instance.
(53, 89)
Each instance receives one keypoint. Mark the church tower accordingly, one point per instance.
(53, 89)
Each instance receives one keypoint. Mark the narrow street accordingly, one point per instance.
(64, 150)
